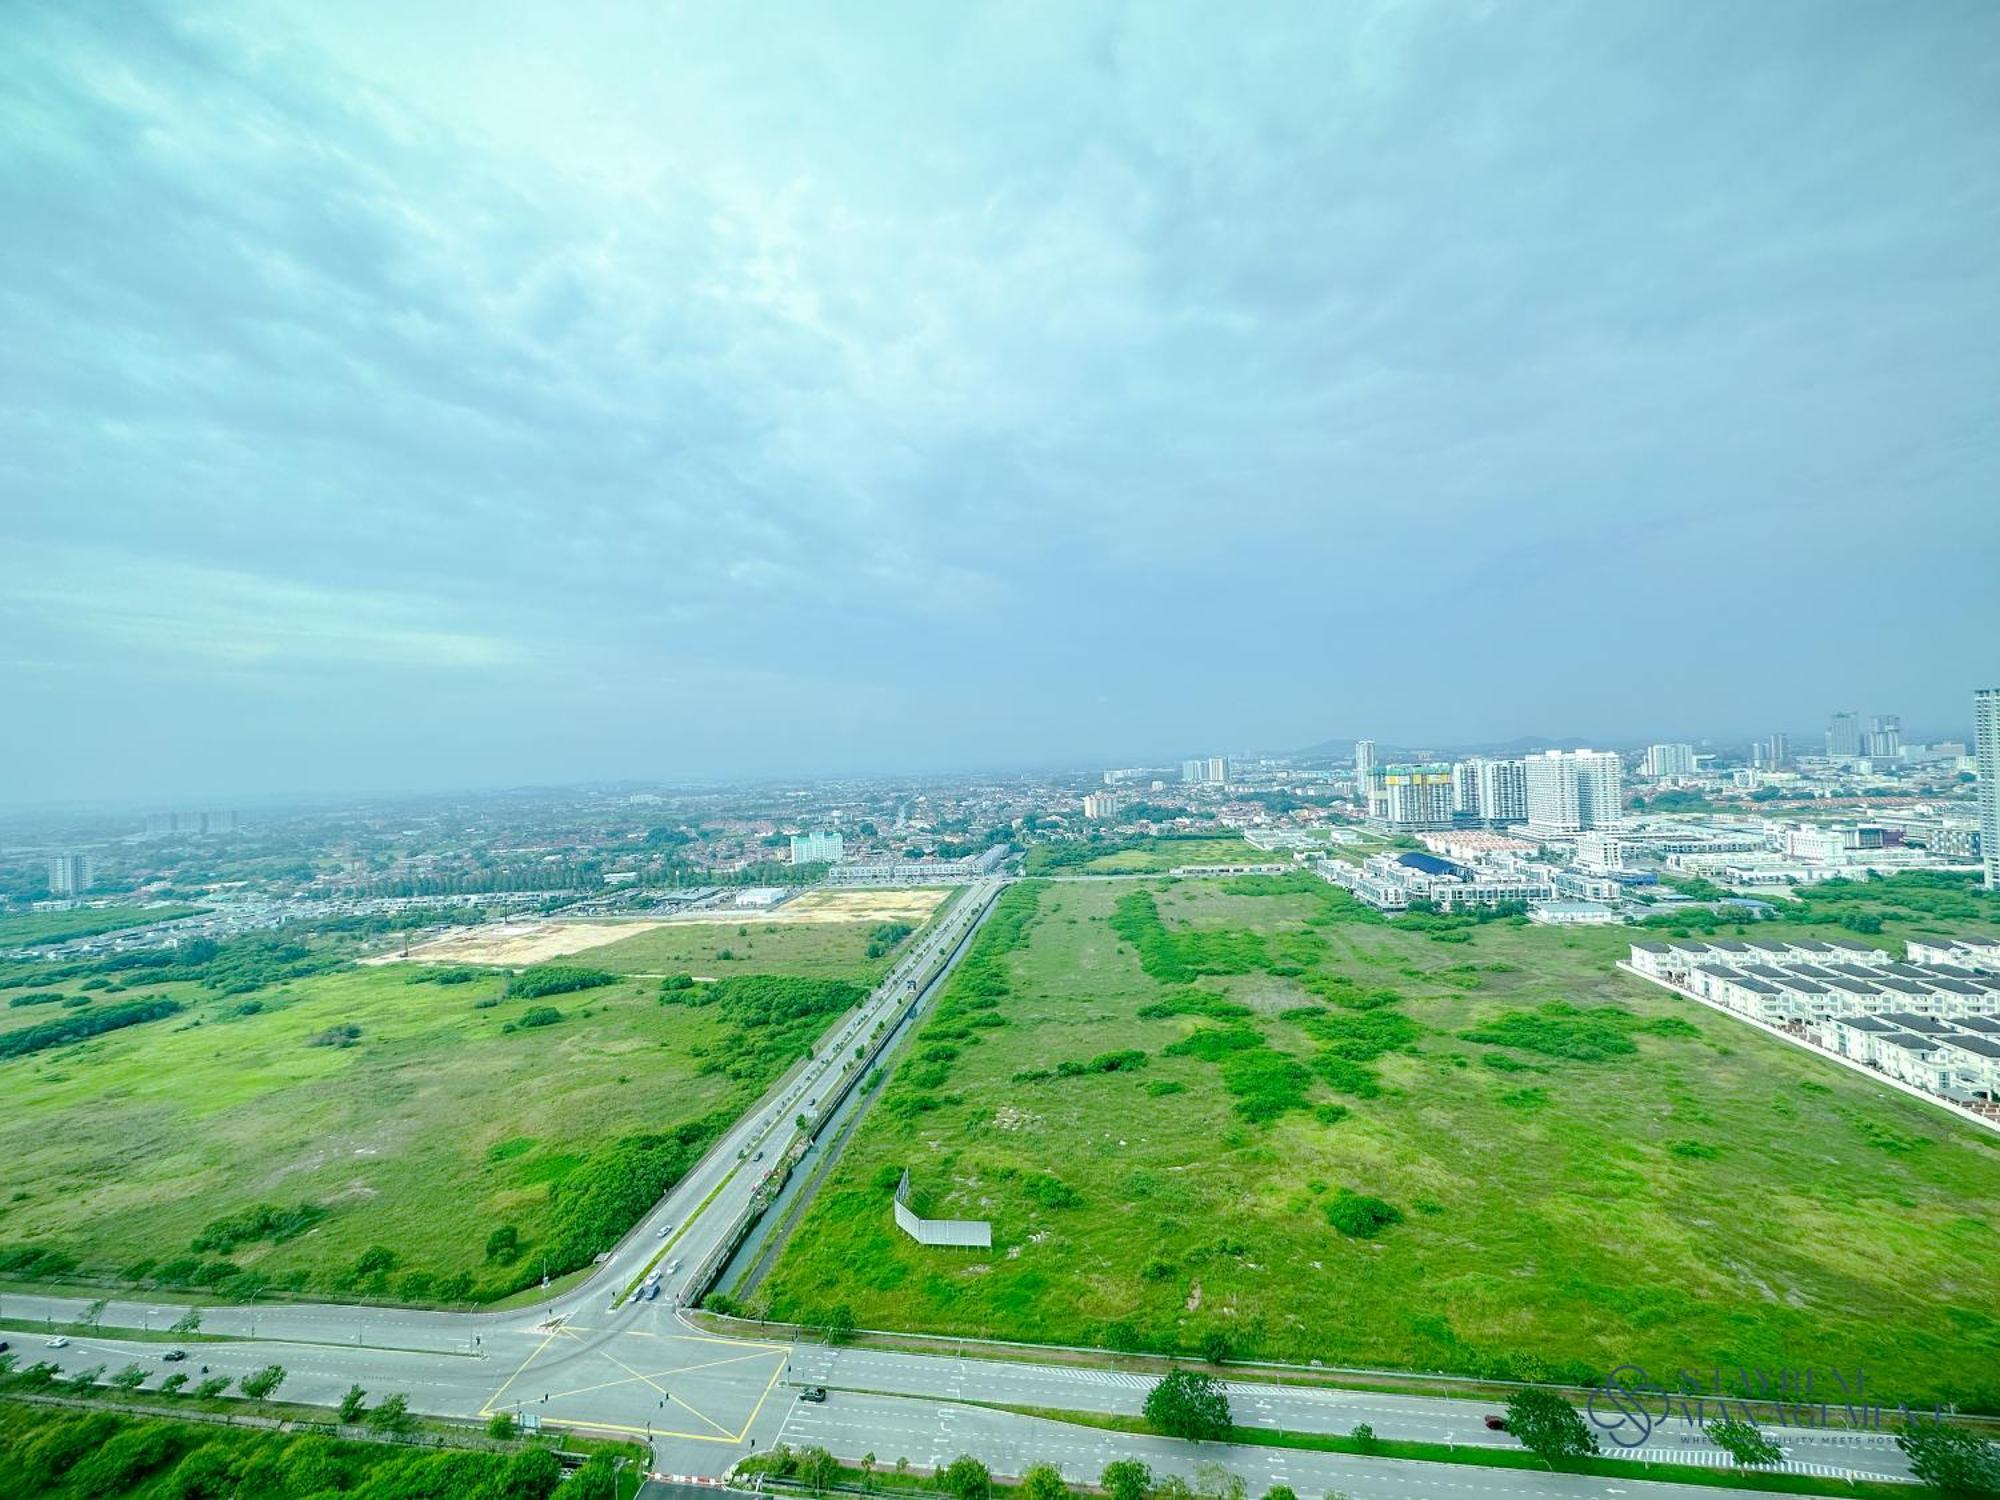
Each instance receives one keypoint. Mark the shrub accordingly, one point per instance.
(539, 1015)
(556, 979)
(344, 1035)
(1359, 1216)
(84, 1024)
(1051, 1191)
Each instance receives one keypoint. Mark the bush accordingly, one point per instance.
(539, 1015)
(263, 1221)
(84, 1024)
(1359, 1216)
(1051, 1191)
(344, 1035)
(556, 979)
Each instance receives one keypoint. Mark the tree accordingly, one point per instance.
(1185, 1404)
(352, 1404)
(93, 1315)
(1281, 1492)
(596, 1480)
(1125, 1479)
(172, 1384)
(1043, 1482)
(500, 1425)
(1213, 1482)
(1744, 1441)
(393, 1415)
(532, 1475)
(130, 1378)
(868, 1469)
(967, 1478)
(818, 1468)
(1216, 1346)
(83, 1380)
(263, 1385)
(212, 1387)
(1548, 1426)
(1951, 1460)
(188, 1324)
(1364, 1437)
(40, 1375)
(839, 1323)
(1173, 1487)
(504, 1244)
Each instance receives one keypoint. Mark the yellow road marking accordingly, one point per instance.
(487, 1409)
(769, 1386)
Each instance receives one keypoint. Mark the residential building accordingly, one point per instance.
(1415, 797)
(1364, 760)
(1885, 739)
(1569, 791)
(1669, 760)
(1218, 771)
(1100, 805)
(1490, 791)
(816, 848)
(1843, 736)
(1986, 756)
(1781, 750)
(70, 874)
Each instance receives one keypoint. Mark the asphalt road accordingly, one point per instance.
(705, 1401)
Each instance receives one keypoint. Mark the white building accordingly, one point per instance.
(816, 848)
(1100, 805)
(70, 874)
(1413, 798)
(1493, 791)
(1573, 790)
(1986, 755)
(1669, 760)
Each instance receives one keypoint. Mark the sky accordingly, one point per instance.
(453, 395)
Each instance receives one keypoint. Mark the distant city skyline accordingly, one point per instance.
(418, 397)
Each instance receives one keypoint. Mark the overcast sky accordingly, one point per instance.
(426, 395)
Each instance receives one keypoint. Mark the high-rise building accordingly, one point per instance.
(1669, 760)
(1885, 739)
(816, 848)
(1781, 749)
(1415, 797)
(1364, 760)
(1843, 736)
(1986, 757)
(1212, 770)
(1571, 790)
(1195, 771)
(1492, 791)
(1218, 771)
(70, 874)
(1098, 805)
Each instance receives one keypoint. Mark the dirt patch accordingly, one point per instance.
(514, 944)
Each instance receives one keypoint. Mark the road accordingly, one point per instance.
(588, 1357)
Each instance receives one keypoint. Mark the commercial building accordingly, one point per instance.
(1573, 790)
(70, 874)
(816, 848)
(1669, 760)
(1986, 757)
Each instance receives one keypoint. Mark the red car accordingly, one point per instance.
(1496, 1424)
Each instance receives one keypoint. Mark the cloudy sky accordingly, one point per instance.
(406, 396)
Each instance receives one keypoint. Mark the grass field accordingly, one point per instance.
(1143, 856)
(18, 929)
(1275, 1137)
(411, 1115)
(816, 950)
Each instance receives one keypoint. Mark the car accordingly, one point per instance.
(661, 1233)
(58, 1342)
(758, 1157)
(174, 1356)
(1496, 1424)
(813, 1393)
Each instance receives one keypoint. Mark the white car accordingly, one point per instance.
(662, 1234)
(58, 1342)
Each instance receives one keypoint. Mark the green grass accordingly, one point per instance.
(431, 1130)
(1144, 856)
(812, 950)
(19, 929)
(1476, 1455)
(1649, 1183)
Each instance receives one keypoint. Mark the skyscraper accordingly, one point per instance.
(69, 874)
(1885, 740)
(1493, 791)
(1843, 735)
(1781, 748)
(1986, 753)
(1571, 790)
(1364, 761)
(1415, 797)
(816, 848)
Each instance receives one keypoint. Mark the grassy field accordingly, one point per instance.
(411, 1118)
(1251, 1117)
(1144, 856)
(18, 929)
(817, 950)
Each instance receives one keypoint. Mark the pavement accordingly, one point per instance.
(591, 1359)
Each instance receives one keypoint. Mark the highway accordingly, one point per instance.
(591, 1357)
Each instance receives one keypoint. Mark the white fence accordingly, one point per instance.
(975, 1234)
